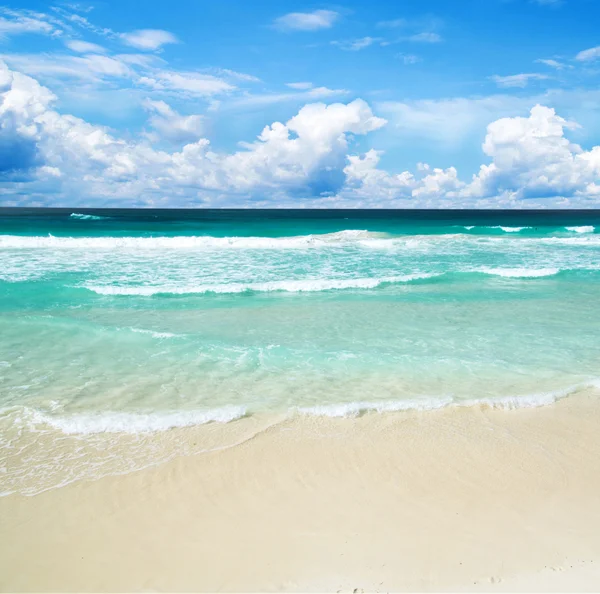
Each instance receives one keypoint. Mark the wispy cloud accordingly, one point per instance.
(91, 68)
(84, 47)
(307, 21)
(589, 54)
(553, 64)
(192, 83)
(19, 23)
(393, 24)
(237, 75)
(148, 39)
(354, 45)
(301, 86)
(426, 37)
(517, 80)
(408, 59)
(172, 126)
(311, 94)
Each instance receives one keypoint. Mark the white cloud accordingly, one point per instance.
(310, 94)
(518, 80)
(408, 59)
(301, 86)
(305, 155)
(426, 37)
(20, 24)
(192, 83)
(531, 158)
(307, 21)
(553, 64)
(90, 68)
(84, 47)
(589, 54)
(309, 157)
(172, 126)
(393, 24)
(355, 45)
(237, 75)
(148, 39)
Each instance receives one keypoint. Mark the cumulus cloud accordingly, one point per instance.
(148, 39)
(531, 157)
(307, 21)
(303, 156)
(311, 157)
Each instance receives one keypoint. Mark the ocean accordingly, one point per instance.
(130, 336)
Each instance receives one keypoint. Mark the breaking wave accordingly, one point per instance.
(126, 422)
(582, 229)
(86, 217)
(520, 272)
(290, 286)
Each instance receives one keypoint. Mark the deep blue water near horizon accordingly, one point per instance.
(125, 324)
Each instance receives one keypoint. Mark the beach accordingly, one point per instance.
(299, 401)
(459, 499)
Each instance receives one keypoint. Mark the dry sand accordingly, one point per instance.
(459, 499)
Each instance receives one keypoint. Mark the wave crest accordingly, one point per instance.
(125, 422)
(289, 286)
(582, 229)
(520, 272)
(86, 217)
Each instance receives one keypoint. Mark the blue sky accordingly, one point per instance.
(490, 103)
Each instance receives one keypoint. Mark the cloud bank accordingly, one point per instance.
(312, 159)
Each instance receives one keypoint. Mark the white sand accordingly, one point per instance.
(457, 499)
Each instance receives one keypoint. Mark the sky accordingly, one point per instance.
(197, 103)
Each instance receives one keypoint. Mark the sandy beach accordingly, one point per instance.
(460, 499)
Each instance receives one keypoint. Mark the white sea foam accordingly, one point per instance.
(124, 422)
(519, 272)
(536, 400)
(290, 286)
(350, 236)
(509, 229)
(153, 333)
(582, 229)
(138, 423)
(86, 217)
(354, 409)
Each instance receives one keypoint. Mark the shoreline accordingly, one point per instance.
(450, 499)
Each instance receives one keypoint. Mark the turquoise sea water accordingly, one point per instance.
(135, 322)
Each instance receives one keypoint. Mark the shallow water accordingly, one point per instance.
(134, 322)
